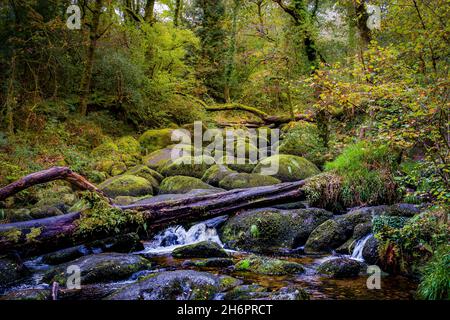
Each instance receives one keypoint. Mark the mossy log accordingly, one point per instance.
(49, 234)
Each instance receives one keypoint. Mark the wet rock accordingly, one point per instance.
(370, 251)
(126, 185)
(90, 291)
(246, 180)
(11, 272)
(290, 168)
(182, 184)
(215, 222)
(27, 294)
(171, 285)
(204, 249)
(335, 232)
(209, 263)
(123, 243)
(268, 266)
(97, 268)
(289, 293)
(291, 205)
(271, 230)
(65, 255)
(246, 292)
(340, 268)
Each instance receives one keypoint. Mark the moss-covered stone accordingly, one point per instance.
(149, 174)
(182, 184)
(246, 180)
(155, 139)
(157, 159)
(126, 200)
(268, 266)
(118, 168)
(271, 230)
(215, 174)
(290, 168)
(126, 185)
(172, 285)
(103, 267)
(340, 268)
(188, 166)
(209, 263)
(203, 249)
(107, 150)
(238, 164)
(333, 233)
(128, 145)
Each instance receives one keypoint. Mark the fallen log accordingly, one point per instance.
(45, 235)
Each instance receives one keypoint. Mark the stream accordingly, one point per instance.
(159, 249)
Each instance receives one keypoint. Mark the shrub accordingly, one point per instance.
(435, 284)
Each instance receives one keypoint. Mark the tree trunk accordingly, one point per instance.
(149, 11)
(177, 13)
(44, 235)
(87, 74)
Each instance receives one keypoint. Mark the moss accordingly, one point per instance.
(157, 159)
(12, 234)
(188, 166)
(324, 191)
(152, 140)
(118, 168)
(128, 145)
(145, 172)
(246, 180)
(216, 173)
(268, 266)
(106, 150)
(290, 168)
(126, 185)
(233, 163)
(33, 234)
(182, 184)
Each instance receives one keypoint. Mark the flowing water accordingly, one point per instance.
(358, 250)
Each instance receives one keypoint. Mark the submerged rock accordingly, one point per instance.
(126, 185)
(172, 285)
(271, 230)
(340, 268)
(103, 267)
(182, 184)
(268, 266)
(246, 180)
(290, 168)
(209, 263)
(204, 249)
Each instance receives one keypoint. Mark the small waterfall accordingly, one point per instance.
(358, 250)
(176, 236)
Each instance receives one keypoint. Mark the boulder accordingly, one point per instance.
(340, 268)
(172, 285)
(268, 266)
(238, 164)
(182, 184)
(216, 173)
(246, 180)
(96, 268)
(157, 159)
(335, 232)
(290, 168)
(65, 255)
(188, 166)
(128, 145)
(203, 249)
(11, 272)
(270, 230)
(123, 243)
(107, 150)
(370, 251)
(145, 172)
(155, 139)
(126, 185)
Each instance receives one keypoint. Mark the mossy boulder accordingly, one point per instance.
(271, 230)
(172, 285)
(118, 168)
(182, 184)
(157, 159)
(155, 139)
(335, 232)
(268, 266)
(17, 215)
(340, 268)
(370, 251)
(126, 185)
(11, 272)
(290, 168)
(203, 249)
(188, 166)
(128, 145)
(238, 164)
(103, 267)
(145, 172)
(216, 173)
(246, 180)
(107, 150)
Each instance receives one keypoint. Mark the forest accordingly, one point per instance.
(224, 149)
